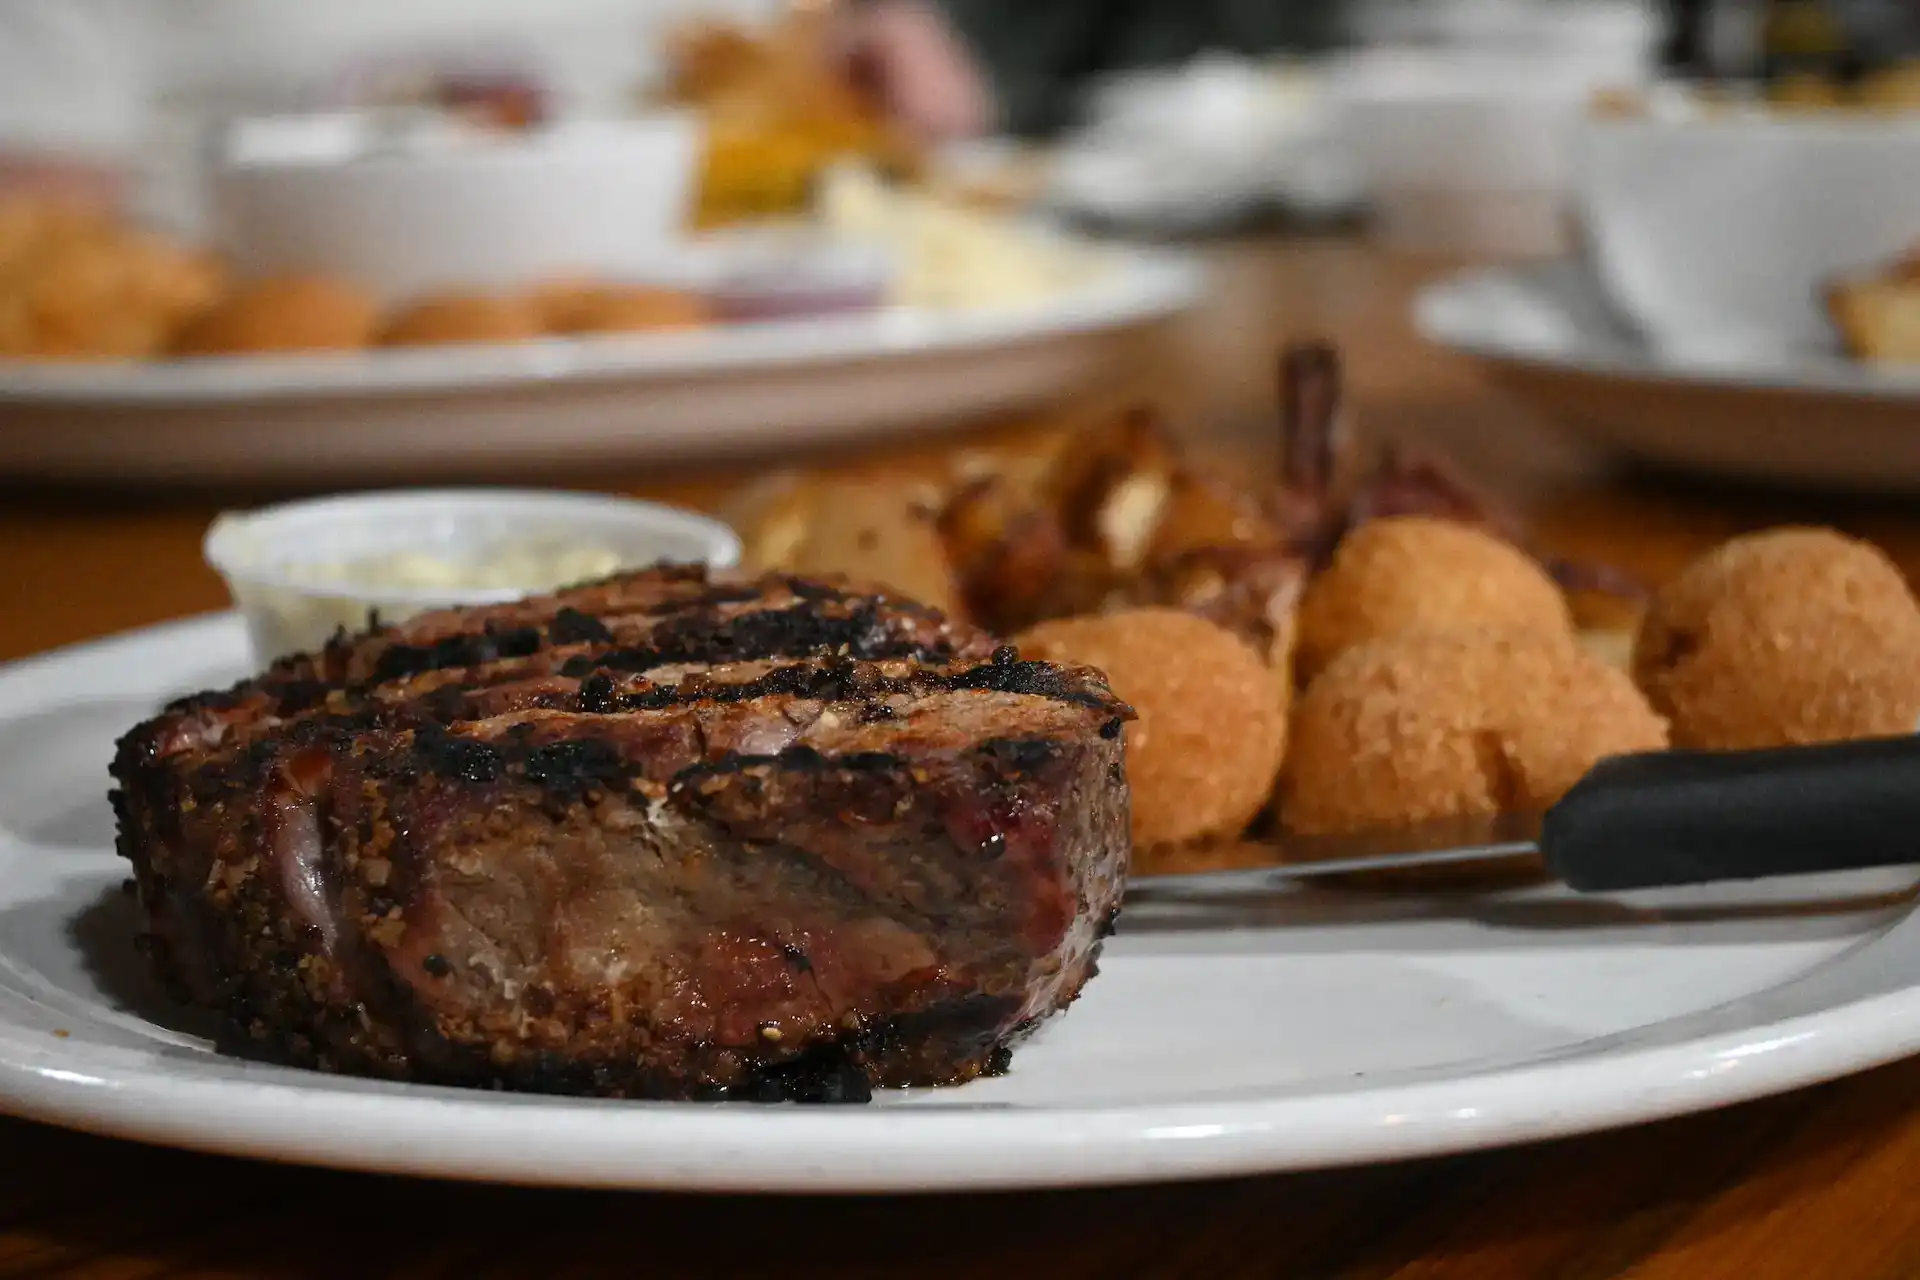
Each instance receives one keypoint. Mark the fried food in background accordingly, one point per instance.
(462, 317)
(1109, 516)
(1806, 91)
(1203, 512)
(1787, 636)
(619, 308)
(1113, 488)
(1093, 516)
(21, 227)
(773, 516)
(1891, 88)
(1430, 725)
(1098, 540)
(1011, 558)
(556, 303)
(948, 254)
(879, 530)
(1252, 591)
(1212, 726)
(1065, 532)
(1405, 573)
(777, 112)
(284, 314)
(1878, 315)
(77, 286)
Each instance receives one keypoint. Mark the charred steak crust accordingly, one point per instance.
(666, 835)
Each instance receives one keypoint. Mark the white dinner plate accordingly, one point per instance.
(1314, 1028)
(1547, 333)
(469, 410)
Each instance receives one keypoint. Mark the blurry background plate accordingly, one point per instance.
(1546, 333)
(566, 402)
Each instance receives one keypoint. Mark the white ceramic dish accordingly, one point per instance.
(1313, 1029)
(1471, 151)
(1547, 332)
(300, 570)
(404, 211)
(1716, 235)
(563, 404)
(1205, 145)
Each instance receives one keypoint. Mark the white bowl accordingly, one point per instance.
(1469, 152)
(1716, 235)
(405, 208)
(300, 571)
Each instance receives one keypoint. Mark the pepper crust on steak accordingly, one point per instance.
(669, 835)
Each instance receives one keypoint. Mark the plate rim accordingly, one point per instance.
(290, 1115)
(1438, 306)
(450, 1133)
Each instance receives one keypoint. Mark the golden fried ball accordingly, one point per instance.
(18, 333)
(20, 227)
(76, 302)
(462, 317)
(31, 227)
(1788, 636)
(173, 279)
(290, 313)
(1202, 757)
(78, 286)
(556, 302)
(1405, 573)
(82, 298)
(620, 309)
(1428, 725)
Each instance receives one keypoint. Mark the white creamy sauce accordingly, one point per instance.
(531, 566)
(322, 596)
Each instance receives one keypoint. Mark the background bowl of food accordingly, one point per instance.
(408, 203)
(1718, 230)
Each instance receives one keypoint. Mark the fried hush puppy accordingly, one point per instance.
(1406, 573)
(1430, 725)
(462, 317)
(287, 313)
(1212, 726)
(74, 301)
(1793, 635)
(619, 308)
(78, 288)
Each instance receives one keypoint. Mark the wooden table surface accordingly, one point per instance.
(1811, 1185)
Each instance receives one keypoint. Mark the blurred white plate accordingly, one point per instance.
(1313, 1028)
(1200, 147)
(476, 410)
(1816, 418)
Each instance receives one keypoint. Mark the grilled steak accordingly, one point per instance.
(663, 836)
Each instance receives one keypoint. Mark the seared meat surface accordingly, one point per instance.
(664, 836)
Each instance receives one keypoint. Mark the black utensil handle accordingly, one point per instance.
(1690, 817)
